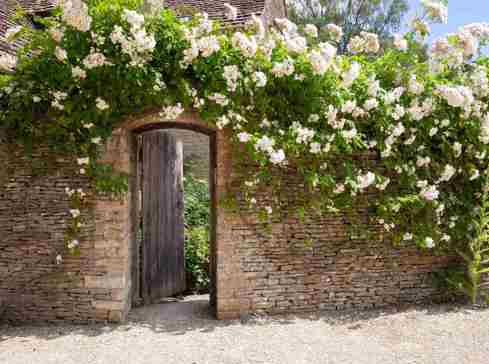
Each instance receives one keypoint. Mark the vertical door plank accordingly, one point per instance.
(164, 261)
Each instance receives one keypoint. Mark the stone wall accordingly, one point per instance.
(33, 216)
(34, 210)
(327, 262)
(334, 272)
(253, 270)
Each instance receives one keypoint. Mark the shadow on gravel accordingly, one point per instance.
(178, 318)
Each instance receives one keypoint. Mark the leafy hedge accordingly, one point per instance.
(197, 215)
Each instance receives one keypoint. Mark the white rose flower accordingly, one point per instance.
(448, 173)
(277, 157)
(12, 32)
(284, 68)
(95, 59)
(382, 186)
(339, 188)
(433, 131)
(60, 54)
(172, 112)
(407, 236)
(423, 161)
(318, 62)
(78, 73)
(429, 242)
(435, 10)
(101, 104)
(311, 30)
(244, 137)
(219, 99)
(265, 144)
(457, 149)
(230, 12)
(349, 106)
(8, 62)
(371, 104)
(475, 174)
(57, 34)
(260, 79)
(83, 161)
(315, 148)
(351, 75)
(75, 213)
(335, 31)
(365, 180)
(373, 88)
(400, 43)
(75, 13)
(96, 140)
(429, 193)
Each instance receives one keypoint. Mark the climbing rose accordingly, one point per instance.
(75, 13)
(429, 242)
(311, 30)
(8, 62)
(400, 43)
(101, 104)
(277, 157)
(12, 32)
(260, 79)
(435, 10)
(429, 193)
(335, 31)
(231, 12)
(365, 180)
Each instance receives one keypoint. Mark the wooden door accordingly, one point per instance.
(163, 259)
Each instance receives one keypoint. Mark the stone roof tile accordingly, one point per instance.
(215, 9)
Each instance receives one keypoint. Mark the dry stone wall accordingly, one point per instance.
(34, 211)
(298, 265)
(327, 261)
(33, 217)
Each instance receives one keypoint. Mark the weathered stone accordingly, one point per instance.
(252, 270)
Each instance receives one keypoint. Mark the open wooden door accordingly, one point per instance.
(163, 262)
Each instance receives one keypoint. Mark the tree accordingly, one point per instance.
(382, 17)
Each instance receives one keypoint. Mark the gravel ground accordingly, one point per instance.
(185, 334)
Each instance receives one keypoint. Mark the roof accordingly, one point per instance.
(215, 9)
(8, 8)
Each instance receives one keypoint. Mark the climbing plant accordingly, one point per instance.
(289, 101)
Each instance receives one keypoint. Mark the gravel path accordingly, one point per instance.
(167, 334)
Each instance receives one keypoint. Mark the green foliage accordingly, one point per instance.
(475, 254)
(108, 182)
(197, 216)
(197, 257)
(196, 202)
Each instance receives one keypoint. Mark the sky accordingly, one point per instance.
(460, 12)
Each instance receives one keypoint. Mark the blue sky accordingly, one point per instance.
(460, 12)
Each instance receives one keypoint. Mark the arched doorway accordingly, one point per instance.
(164, 152)
(117, 222)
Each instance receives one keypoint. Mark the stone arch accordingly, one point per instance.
(116, 221)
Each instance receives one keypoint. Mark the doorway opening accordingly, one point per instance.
(175, 260)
